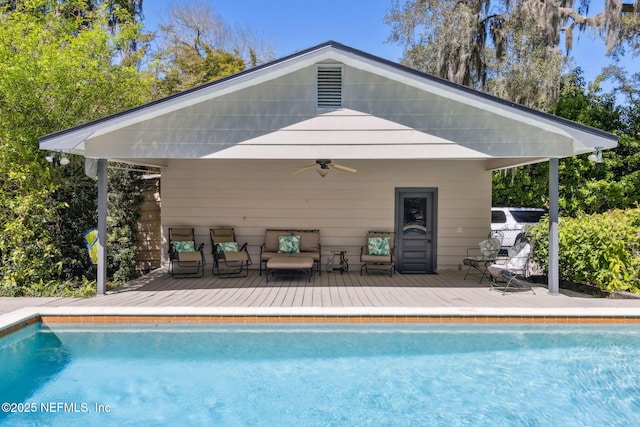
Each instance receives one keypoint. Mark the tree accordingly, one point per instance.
(585, 187)
(55, 72)
(527, 70)
(117, 11)
(515, 44)
(197, 47)
(629, 33)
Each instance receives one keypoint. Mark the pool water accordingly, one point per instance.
(327, 375)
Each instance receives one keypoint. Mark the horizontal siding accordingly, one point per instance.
(149, 228)
(232, 117)
(254, 195)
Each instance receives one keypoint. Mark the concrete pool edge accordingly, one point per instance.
(15, 320)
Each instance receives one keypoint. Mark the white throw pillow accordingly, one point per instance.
(519, 261)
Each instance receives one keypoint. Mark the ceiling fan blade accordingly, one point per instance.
(304, 168)
(344, 168)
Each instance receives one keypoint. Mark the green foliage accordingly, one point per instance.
(78, 193)
(123, 207)
(584, 186)
(196, 46)
(600, 249)
(55, 72)
(54, 288)
(191, 66)
(63, 64)
(523, 186)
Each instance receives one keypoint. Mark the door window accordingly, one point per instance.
(415, 220)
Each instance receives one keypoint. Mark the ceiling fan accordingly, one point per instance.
(325, 167)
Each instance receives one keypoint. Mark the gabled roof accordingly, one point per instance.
(399, 113)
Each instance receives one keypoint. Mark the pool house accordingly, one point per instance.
(231, 154)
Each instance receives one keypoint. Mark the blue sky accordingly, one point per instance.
(294, 25)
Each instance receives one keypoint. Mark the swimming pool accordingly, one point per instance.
(305, 375)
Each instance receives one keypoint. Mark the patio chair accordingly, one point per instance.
(233, 259)
(185, 260)
(513, 274)
(378, 253)
(479, 258)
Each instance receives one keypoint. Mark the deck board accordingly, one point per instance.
(331, 289)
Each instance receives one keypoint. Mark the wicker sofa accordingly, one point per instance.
(309, 246)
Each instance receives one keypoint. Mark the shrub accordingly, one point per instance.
(601, 250)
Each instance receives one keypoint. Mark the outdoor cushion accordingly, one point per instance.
(194, 256)
(184, 246)
(375, 258)
(285, 263)
(288, 244)
(228, 246)
(519, 261)
(269, 255)
(223, 235)
(489, 248)
(314, 255)
(309, 241)
(235, 256)
(378, 246)
(516, 249)
(271, 239)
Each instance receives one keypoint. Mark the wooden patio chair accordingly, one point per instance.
(234, 259)
(378, 253)
(513, 274)
(185, 260)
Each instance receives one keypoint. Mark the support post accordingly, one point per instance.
(102, 226)
(554, 245)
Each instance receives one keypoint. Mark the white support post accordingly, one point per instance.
(554, 251)
(102, 226)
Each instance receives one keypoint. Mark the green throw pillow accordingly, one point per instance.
(228, 246)
(379, 246)
(186, 246)
(288, 244)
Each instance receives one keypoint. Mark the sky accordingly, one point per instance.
(294, 25)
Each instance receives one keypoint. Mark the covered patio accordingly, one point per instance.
(228, 151)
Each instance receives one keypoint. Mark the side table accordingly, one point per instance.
(341, 263)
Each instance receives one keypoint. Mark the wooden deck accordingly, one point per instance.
(349, 290)
(442, 297)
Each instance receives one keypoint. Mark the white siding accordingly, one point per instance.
(254, 195)
(249, 114)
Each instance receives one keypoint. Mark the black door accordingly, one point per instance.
(415, 230)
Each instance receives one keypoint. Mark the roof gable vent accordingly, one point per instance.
(329, 79)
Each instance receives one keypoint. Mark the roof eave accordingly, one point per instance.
(72, 139)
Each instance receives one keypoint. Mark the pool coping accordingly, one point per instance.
(18, 319)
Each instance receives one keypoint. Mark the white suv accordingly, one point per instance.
(511, 222)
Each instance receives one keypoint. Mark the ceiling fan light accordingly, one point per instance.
(323, 172)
